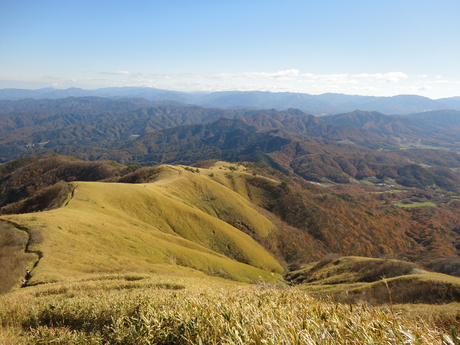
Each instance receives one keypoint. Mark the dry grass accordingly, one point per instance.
(443, 315)
(416, 204)
(167, 309)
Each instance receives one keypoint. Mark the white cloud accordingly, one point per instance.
(424, 88)
(259, 80)
(287, 80)
(286, 74)
(393, 77)
(290, 73)
(390, 76)
(118, 73)
(345, 78)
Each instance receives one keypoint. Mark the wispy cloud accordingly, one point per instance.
(292, 80)
(287, 80)
(289, 74)
(121, 73)
(286, 74)
(118, 73)
(393, 77)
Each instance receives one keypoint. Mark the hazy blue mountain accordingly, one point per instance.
(446, 118)
(434, 128)
(402, 104)
(450, 103)
(147, 93)
(328, 103)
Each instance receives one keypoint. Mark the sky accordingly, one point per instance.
(363, 47)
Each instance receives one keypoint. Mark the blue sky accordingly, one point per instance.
(370, 47)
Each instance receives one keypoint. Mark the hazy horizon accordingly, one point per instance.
(208, 92)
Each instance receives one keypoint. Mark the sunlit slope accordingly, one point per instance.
(178, 219)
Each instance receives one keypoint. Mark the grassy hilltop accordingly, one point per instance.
(174, 220)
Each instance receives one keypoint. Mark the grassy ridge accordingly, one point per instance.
(116, 227)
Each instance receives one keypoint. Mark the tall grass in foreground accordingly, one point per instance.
(146, 311)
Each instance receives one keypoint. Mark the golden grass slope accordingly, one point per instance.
(174, 220)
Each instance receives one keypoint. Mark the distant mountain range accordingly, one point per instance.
(340, 148)
(328, 103)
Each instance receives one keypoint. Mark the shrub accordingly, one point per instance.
(13, 259)
(449, 266)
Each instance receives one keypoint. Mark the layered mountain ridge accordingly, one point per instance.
(340, 148)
